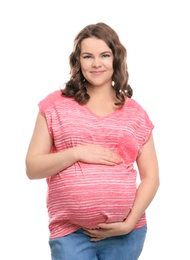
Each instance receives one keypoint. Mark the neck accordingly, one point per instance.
(101, 91)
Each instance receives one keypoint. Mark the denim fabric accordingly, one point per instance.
(77, 246)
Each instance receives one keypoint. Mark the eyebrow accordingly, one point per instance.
(85, 52)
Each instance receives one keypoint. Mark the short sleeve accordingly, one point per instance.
(145, 127)
(47, 107)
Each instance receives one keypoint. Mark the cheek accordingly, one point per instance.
(85, 66)
(84, 71)
(108, 64)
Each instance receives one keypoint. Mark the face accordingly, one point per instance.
(96, 62)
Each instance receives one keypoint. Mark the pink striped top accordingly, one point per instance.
(84, 195)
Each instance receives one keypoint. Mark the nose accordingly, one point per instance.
(96, 63)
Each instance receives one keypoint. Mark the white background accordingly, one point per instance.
(36, 40)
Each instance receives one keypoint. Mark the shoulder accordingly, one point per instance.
(53, 96)
(137, 111)
(51, 100)
(139, 116)
(134, 108)
(131, 103)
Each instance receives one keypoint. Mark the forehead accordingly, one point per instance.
(93, 45)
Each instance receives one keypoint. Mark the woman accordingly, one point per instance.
(86, 140)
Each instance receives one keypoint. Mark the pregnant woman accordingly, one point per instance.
(87, 138)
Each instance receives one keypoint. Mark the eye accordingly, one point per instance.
(86, 57)
(106, 55)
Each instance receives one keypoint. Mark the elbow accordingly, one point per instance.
(157, 183)
(30, 173)
(33, 170)
(156, 179)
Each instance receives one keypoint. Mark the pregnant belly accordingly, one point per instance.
(89, 198)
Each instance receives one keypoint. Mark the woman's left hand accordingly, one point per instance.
(107, 230)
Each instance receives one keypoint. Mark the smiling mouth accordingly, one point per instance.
(97, 72)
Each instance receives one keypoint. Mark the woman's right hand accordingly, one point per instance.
(97, 154)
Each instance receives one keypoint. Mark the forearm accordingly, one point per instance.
(45, 165)
(42, 165)
(145, 194)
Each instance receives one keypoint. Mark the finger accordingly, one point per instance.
(107, 162)
(96, 239)
(111, 159)
(90, 233)
(105, 226)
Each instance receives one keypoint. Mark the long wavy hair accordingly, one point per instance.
(75, 86)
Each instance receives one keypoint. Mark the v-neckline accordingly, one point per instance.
(102, 117)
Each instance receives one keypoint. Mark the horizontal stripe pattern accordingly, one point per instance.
(84, 195)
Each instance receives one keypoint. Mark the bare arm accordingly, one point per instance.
(149, 174)
(40, 163)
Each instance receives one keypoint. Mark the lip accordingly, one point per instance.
(97, 73)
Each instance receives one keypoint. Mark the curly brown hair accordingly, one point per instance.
(75, 87)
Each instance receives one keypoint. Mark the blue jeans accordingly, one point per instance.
(77, 246)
